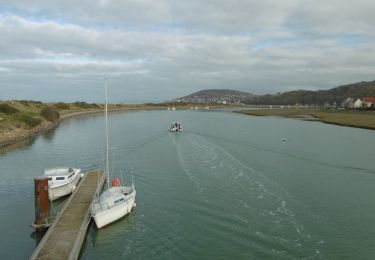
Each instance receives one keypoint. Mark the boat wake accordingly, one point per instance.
(247, 199)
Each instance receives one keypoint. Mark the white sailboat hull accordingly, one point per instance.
(104, 215)
(55, 192)
(111, 215)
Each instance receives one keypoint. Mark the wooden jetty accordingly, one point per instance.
(65, 237)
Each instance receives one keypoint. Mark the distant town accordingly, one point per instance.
(350, 103)
(365, 102)
(352, 96)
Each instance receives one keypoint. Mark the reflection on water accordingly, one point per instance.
(112, 232)
(37, 236)
(17, 146)
(49, 134)
(56, 205)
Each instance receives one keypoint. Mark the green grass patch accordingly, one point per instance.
(8, 109)
(29, 120)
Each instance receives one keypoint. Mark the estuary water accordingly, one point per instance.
(228, 187)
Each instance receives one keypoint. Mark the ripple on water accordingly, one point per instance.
(263, 209)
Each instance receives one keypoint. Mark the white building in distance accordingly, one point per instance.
(358, 103)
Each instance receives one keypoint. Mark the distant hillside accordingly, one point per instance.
(216, 96)
(320, 97)
(303, 97)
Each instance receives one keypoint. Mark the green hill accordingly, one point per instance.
(320, 97)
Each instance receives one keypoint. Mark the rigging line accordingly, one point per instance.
(113, 163)
(106, 130)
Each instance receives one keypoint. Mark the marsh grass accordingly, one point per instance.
(353, 118)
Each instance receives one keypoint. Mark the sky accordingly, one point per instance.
(157, 50)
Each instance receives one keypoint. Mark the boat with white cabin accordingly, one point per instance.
(62, 181)
(118, 200)
(176, 127)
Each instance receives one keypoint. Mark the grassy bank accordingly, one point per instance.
(360, 119)
(23, 119)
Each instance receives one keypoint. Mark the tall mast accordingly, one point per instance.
(106, 130)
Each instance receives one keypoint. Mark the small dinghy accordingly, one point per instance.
(176, 127)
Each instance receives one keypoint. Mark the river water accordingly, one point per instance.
(228, 187)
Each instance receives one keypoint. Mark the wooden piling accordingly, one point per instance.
(41, 203)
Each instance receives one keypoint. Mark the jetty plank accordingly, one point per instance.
(65, 237)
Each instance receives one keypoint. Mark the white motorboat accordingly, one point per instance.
(61, 181)
(176, 127)
(117, 201)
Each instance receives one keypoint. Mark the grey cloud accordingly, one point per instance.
(241, 16)
(157, 50)
(334, 17)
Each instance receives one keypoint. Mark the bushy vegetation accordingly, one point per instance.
(8, 109)
(30, 102)
(62, 105)
(82, 104)
(29, 120)
(50, 113)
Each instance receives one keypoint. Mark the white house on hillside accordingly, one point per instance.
(348, 103)
(358, 103)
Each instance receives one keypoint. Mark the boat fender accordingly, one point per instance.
(82, 175)
(73, 187)
(116, 182)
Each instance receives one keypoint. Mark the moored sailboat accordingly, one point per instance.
(117, 201)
